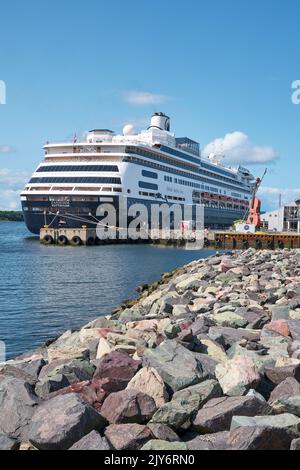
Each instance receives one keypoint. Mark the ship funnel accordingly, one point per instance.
(160, 121)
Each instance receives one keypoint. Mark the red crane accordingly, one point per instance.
(255, 204)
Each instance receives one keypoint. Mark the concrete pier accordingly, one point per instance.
(219, 240)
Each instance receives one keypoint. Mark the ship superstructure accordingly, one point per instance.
(150, 167)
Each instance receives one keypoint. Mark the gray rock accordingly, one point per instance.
(158, 445)
(128, 406)
(254, 393)
(287, 404)
(130, 314)
(282, 421)
(127, 436)
(260, 438)
(208, 365)
(9, 370)
(216, 415)
(278, 374)
(17, 405)
(289, 387)
(7, 443)
(32, 368)
(162, 432)
(227, 336)
(177, 414)
(280, 311)
(62, 421)
(202, 325)
(51, 384)
(216, 441)
(92, 441)
(75, 370)
(295, 444)
(230, 319)
(177, 366)
(294, 327)
(203, 392)
(190, 283)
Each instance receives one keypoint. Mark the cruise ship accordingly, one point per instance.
(150, 167)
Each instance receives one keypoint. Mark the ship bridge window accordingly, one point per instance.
(146, 185)
(76, 179)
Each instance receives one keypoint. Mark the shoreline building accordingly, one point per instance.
(284, 219)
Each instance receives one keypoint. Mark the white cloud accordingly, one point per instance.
(238, 148)
(12, 183)
(6, 149)
(143, 98)
(270, 196)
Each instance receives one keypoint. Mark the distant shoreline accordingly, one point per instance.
(11, 216)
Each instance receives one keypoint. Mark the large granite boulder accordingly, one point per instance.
(177, 414)
(118, 366)
(61, 421)
(148, 381)
(260, 438)
(217, 414)
(177, 366)
(128, 406)
(288, 387)
(285, 421)
(17, 405)
(203, 392)
(278, 374)
(287, 404)
(238, 375)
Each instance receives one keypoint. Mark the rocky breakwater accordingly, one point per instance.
(207, 358)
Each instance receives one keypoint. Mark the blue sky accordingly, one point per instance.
(218, 68)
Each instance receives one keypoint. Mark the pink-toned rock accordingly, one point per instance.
(289, 386)
(117, 365)
(144, 325)
(184, 325)
(92, 392)
(127, 436)
(279, 326)
(128, 406)
(238, 375)
(148, 381)
(103, 332)
(224, 267)
(103, 348)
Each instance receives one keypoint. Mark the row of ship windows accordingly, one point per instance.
(173, 171)
(179, 154)
(154, 156)
(79, 179)
(195, 185)
(173, 198)
(77, 168)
